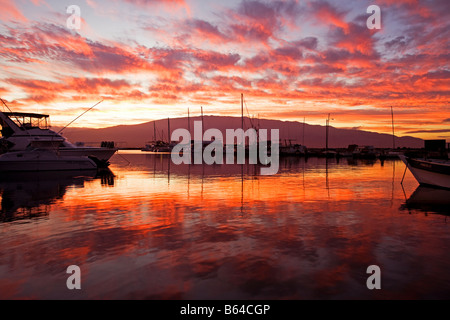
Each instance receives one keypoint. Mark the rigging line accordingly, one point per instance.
(248, 114)
(129, 162)
(406, 168)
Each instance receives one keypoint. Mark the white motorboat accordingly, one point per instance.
(20, 130)
(43, 160)
(432, 172)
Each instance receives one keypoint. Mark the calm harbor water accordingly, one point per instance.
(152, 230)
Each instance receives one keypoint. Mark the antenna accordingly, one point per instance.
(79, 116)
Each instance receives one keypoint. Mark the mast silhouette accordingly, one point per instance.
(303, 135)
(242, 118)
(168, 130)
(201, 110)
(189, 123)
(393, 133)
(327, 126)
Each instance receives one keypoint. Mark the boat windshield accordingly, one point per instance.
(29, 120)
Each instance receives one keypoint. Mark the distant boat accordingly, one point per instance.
(20, 130)
(328, 154)
(431, 172)
(292, 149)
(43, 160)
(158, 146)
(365, 152)
(389, 155)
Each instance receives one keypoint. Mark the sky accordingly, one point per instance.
(292, 60)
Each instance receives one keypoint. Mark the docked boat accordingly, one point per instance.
(158, 146)
(290, 149)
(20, 130)
(37, 160)
(365, 152)
(431, 172)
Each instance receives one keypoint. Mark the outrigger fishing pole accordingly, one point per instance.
(80, 116)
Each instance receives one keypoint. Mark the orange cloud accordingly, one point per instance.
(328, 14)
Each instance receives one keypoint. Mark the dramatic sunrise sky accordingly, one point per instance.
(152, 59)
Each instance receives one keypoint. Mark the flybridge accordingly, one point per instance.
(29, 120)
(17, 122)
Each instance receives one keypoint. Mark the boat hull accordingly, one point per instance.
(102, 154)
(43, 161)
(57, 165)
(429, 173)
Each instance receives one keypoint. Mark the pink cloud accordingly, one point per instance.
(172, 4)
(9, 11)
(206, 31)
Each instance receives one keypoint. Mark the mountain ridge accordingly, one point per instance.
(137, 135)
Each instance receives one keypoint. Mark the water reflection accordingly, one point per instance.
(26, 195)
(161, 231)
(429, 200)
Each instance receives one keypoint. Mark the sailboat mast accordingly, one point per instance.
(201, 110)
(303, 135)
(242, 111)
(257, 130)
(393, 133)
(168, 130)
(242, 118)
(154, 130)
(189, 123)
(326, 139)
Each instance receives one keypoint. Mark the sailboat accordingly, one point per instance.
(159, 145)
(290, 149)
